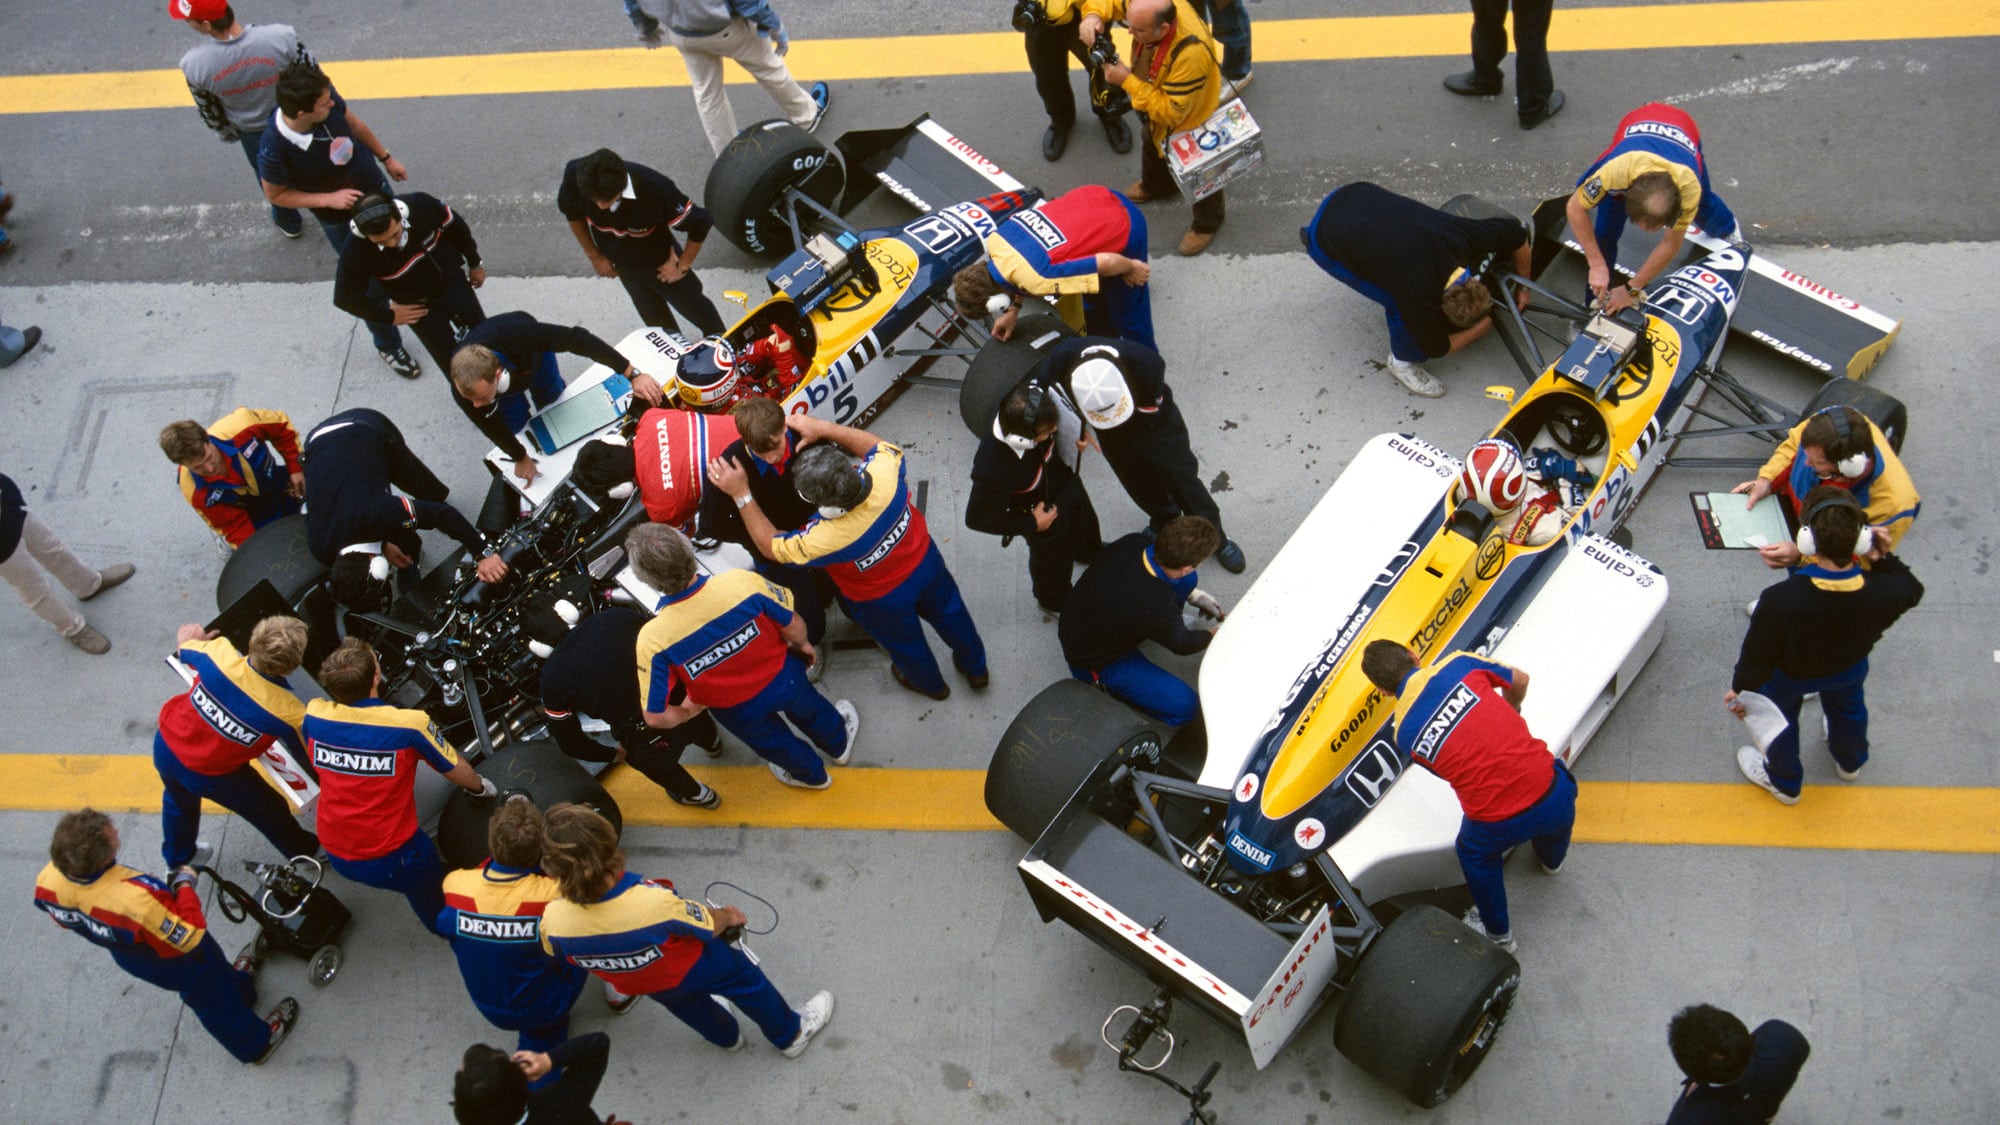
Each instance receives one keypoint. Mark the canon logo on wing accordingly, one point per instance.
(1815, 287)
(972, 154)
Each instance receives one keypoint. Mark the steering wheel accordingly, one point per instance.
(1575, 427)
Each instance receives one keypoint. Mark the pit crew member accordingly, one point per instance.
(1423, 266)
(156, 932)
(875, 545)
(1121, 389)
(240, 473)
(356, 525)
(1132, 593)
(1842, 447)
(642, 939)
(1733, 1074)
(492, 1085)
(238, 707)
(1088, 243)
(732, 642)
(1175, 80)
(509, 359)
(1049, 27)
(1460, 719)
(1654, 174)
(493, 919)
(1813, 632)
(1025, 482)
(366, 753)
(412, 261)
(582, 674)
(624, 215)
(765, 452)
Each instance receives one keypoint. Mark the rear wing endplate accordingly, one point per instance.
(923, 163)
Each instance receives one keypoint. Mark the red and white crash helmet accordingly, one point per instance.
(1493, 475)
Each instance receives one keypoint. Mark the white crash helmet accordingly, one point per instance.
(1494, 476)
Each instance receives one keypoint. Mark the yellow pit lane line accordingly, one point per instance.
(1641, 27)
(1659, 813)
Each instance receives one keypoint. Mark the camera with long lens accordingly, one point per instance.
(1103, 52)
(1028, 15)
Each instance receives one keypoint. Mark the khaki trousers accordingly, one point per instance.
(756, 54)
(40, 555)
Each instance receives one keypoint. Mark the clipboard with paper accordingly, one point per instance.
(1726, 524)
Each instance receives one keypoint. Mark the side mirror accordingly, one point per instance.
(738, 296)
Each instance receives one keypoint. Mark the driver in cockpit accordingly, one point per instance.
(1529, 510)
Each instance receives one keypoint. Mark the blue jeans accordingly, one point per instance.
(1846, 707)
(242, 791)
(1483, 844)
(220, 996)
(1121, 310)
(386, 336)
(1137, 681)
(723, 970)
(546, 387)
(1231, 26)
(895, 621)
(1402, 344)
(287, 218)
(759, 722)
(12, 342)
(414, 870)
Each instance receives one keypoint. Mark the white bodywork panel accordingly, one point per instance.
(1577, 675)
(1294, 991)
(1310, 588)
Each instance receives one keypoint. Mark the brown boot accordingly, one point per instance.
(91, 641)
(1137, 193)
(1194, 242)
(111, 576)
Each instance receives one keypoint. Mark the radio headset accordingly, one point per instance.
(1809, 546)
(1854, 464)
(380, 210)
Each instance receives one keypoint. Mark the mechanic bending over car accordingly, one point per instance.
(1089, 243)
(238, 706)
(876, 546)
(624, 215)
(156, 932)
(1812, 633)
(366, 753)
(240, 473)
(643, 939)
(1025, 482)
(509, 359)
(359, 528)
(1121, 390)
(1427, 268)
(493, 919)
(1132, 593)
(1654, 174)
(731, 641)
(766, 452)
(575, 682)
(1460, 719)
(1842, 447)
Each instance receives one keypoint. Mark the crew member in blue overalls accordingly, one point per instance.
(1133, 593)
(1653, 174)
(1090, 242)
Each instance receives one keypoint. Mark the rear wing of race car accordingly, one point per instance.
(923, 163)
(1787, 312)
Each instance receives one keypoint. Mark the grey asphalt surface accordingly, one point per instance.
(955, 1003)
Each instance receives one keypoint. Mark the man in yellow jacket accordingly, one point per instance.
(1175, 81)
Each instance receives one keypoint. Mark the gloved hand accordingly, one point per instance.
(487, 788)
(1205, 603)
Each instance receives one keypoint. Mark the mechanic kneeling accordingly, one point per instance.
(1458, 719)
(583, 674)
(1133, 593)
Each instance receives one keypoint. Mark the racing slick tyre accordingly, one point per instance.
(1003, 363)
(276, 551)
(1051, 747)
(1425, 1004)
(747, 182)
(535, 767)
(1886, 412)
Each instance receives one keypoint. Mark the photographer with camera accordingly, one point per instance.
(1176, 81)
(1050, 28)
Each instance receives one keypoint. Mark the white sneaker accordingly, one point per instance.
(780, 773)
(852, 720)
(1415, 379)
(1751, 609)
(617, 1001)
(1847, 775)
(816, 1013)
(1505, 941)
(1750, 760)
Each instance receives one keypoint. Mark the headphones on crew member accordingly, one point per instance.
(379, 567)
(380, 210)
(1854, 464)
(570, 614)
(1809, 546)
(1036, 397)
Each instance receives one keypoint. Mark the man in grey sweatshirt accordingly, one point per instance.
(233, 75)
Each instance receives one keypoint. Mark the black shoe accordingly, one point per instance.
(941, 694)
(1119, 134)
(1231, 557)
(1054, 141)
(280, 1020)
(1470, 85)
(400, 362)
(1533, 117)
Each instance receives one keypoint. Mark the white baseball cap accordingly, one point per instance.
(1101, 393)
